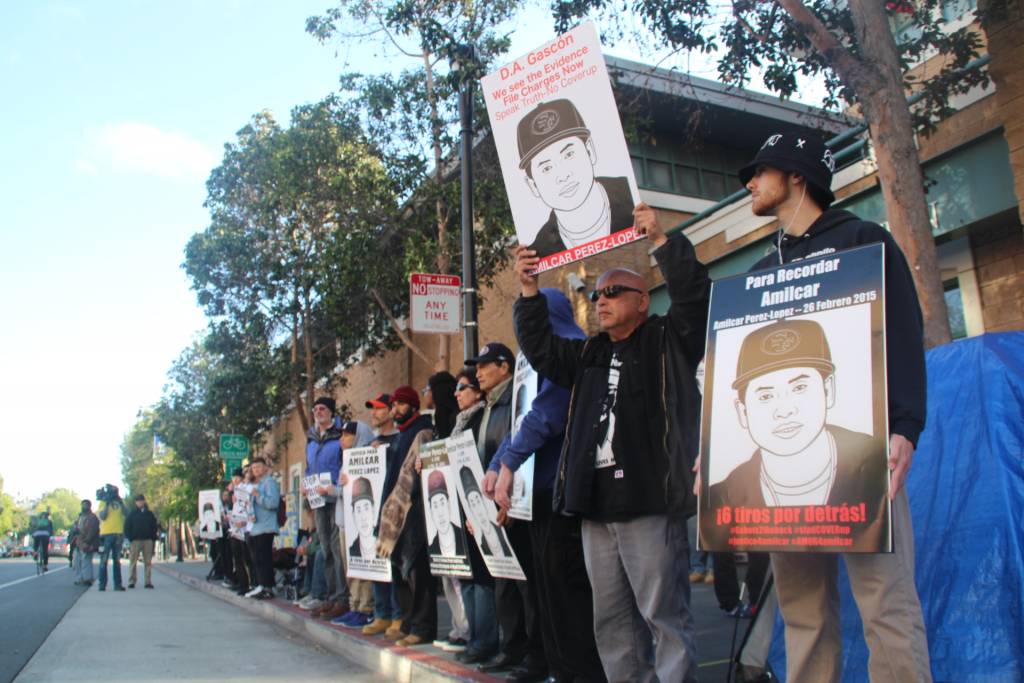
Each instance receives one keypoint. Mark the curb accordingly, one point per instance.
(401, 664)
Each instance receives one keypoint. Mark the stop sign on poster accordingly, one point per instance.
(434, 303)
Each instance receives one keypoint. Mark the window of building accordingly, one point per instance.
(955, 9)
(711, 172)
(955, 308)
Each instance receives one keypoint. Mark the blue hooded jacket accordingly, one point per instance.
(323, 451)
(543, 428)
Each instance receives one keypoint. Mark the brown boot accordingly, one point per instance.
(337, 610)
(325, 606)
(376, 627)
(395, 630)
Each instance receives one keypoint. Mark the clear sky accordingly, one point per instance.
(113, 115)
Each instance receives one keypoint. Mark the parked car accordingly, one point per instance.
(59, 546)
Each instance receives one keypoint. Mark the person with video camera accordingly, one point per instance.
(112, 515)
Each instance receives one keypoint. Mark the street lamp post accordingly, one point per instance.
(462, 63)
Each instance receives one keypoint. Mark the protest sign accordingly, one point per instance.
(524, 389)
(563, 157)
(210, 514)
(489, 536)
(365, 469)
(315, 499)
(446, 537)
(794, 427)
(242, 515)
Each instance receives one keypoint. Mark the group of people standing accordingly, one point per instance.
(614, 429)
(106, 532)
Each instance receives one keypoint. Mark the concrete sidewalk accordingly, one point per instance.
(174, 633)
(421, 664)
(426, 663)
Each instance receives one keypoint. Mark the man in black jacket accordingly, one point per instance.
(142, 530)
(630, 445)
(790, 178)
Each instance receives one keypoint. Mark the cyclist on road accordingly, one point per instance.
(41, 538)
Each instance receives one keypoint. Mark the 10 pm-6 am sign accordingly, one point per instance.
(434, 303)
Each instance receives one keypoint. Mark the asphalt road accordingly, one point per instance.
(30, 607)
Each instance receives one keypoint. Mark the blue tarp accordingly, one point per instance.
(966, 490)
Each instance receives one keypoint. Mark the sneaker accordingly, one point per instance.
(439, 644)
(709, 577)
(119, 588)
(454, 645)
(696, 577)
(310, 603)
(226, 583)
(376, 627)
(254, 592)
(149, 585)
(355, 620)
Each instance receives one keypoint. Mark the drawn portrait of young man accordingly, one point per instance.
(785, 389)
(558, 154)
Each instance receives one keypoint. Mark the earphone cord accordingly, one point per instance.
(782, 230)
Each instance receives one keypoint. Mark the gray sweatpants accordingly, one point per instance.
(642, 622)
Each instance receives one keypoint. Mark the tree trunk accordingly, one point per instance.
(899, 168)
(299, 404)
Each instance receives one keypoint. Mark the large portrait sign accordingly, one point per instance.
(242, 514)
(489, 536)
(446, 536)
(210, 514)
(794, 428)
(365, 469)
(524, 390)
(563, 156)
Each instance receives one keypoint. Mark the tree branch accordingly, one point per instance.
(406, 339)
(846, 64)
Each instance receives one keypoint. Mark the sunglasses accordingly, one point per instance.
(462, 387)
(612, 291)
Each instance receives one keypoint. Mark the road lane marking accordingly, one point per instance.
(34, 576)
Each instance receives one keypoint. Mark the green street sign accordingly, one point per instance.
(234, 446)
(230, 465)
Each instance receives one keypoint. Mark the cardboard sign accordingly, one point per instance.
(563, 156)
(524, 389)
(210, 514)
(488, 535)
(794, 427)
(435, 303)
(365, 469)
(446, 536)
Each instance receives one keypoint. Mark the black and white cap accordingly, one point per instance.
(803, 153)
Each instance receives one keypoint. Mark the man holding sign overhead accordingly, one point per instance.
(629, 478)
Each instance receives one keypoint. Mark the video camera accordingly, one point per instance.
(107, 493)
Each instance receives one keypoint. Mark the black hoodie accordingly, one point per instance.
(836, 230)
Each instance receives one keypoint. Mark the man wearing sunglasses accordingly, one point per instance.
(630, 445)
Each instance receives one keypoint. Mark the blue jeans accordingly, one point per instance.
(481, 614)
(385, 600)
(83, 566)
(110, 546)
(318, 583)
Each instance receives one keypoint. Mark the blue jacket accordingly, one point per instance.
(265, 506)
(323, 451)
(543, 428)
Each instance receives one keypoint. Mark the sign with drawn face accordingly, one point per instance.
(563, 156)
(365, 469)
(794, 430)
